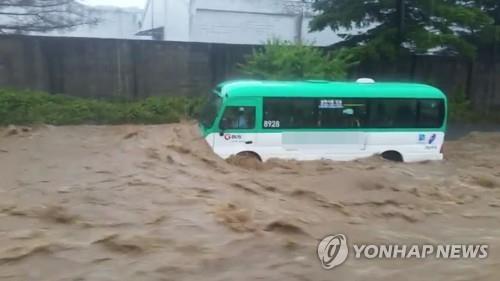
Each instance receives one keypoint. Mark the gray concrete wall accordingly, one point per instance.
(134, 69)
(479, 81)
(115, 68)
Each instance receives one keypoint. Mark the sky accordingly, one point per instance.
(118, 3)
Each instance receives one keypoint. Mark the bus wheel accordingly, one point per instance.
(250, 155)
(392, 156)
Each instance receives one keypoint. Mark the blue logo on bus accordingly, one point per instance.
(433, 138)
(421, 137)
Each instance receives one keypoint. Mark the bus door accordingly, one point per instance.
(345, 142)
(236, 129)
(325, 143)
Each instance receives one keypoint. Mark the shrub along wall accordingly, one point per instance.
(133, 69)
(25, 107)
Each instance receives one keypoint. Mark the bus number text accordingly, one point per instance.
(271, 124)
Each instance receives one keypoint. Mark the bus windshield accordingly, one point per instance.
(210, 110)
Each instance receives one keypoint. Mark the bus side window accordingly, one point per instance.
(290, 113)
(238, 117)
(349, 114)
(393, 113)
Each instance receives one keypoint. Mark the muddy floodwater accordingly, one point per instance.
(153, 203)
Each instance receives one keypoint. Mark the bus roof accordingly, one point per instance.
(327, 89)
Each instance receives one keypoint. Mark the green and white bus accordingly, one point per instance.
(313, 120)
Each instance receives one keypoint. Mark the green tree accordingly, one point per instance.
(489, 38)
(398, 26)
(282, 60)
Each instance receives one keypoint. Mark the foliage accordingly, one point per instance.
(395, 26)
(282, 60)
(24, 16)
(488, 39)
(26, 107)
(492, 7)
(461, 110)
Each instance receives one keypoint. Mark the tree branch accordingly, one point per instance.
(21, 16)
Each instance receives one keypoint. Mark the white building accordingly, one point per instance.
(114, 23)
(232, 21)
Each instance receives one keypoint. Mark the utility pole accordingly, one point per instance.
(400, 19)
(300, 22)
(304, 5)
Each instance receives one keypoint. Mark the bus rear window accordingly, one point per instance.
(431, 113)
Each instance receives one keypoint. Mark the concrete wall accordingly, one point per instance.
(115, 68)
(134, 69)
(478, 80)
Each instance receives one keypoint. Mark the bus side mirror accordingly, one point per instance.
(222, 126)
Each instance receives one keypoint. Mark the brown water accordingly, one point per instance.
(153, 203)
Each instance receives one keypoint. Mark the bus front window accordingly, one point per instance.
(209, 112)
